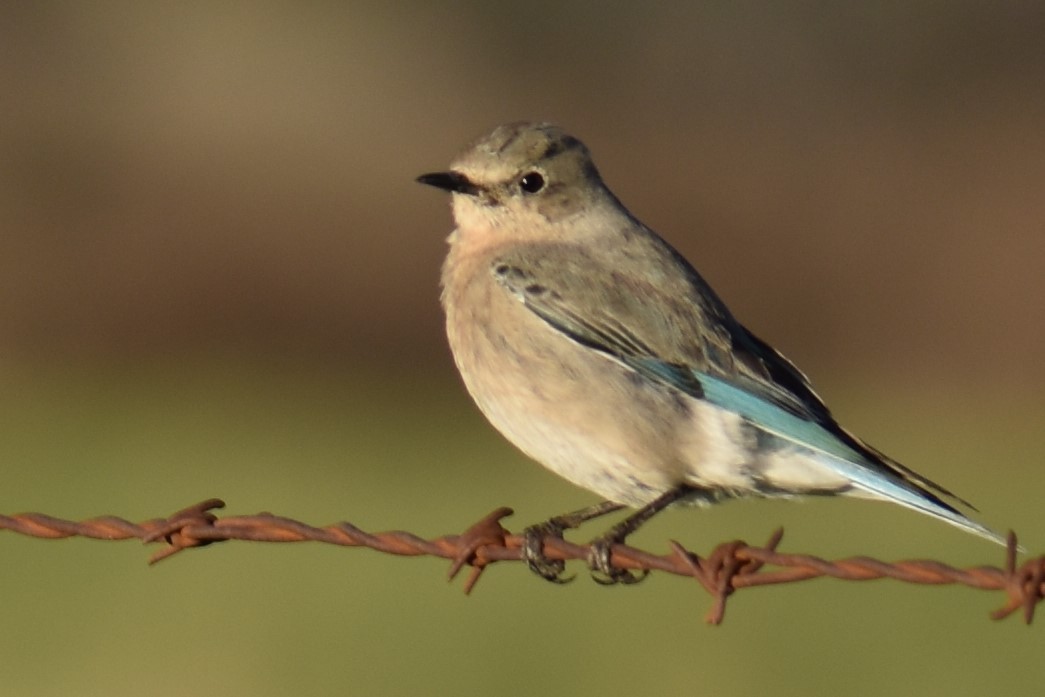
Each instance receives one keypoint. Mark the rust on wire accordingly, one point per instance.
(729, 567)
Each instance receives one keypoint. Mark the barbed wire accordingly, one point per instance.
(729, 567)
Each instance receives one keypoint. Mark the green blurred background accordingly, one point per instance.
(217, 278)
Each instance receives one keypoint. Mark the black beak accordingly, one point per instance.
(454, 182)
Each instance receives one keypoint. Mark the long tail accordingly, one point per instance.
(907, 495)
(878, 479)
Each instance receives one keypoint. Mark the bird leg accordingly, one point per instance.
(599, 558)
(534, 536)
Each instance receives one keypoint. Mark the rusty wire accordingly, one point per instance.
(727, 568)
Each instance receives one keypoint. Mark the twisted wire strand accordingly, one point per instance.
(729, 567)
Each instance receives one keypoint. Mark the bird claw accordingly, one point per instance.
(601, 565)
(533, 552)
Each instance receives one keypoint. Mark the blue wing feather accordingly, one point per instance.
(863, 473)
(772, 395)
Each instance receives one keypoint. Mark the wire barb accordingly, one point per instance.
(729, 567)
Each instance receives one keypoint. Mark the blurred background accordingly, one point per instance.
(218, 278)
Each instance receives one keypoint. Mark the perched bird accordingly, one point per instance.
(600, 352)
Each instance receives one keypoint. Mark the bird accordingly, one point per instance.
(599, 351)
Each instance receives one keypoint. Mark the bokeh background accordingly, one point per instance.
(217, 278)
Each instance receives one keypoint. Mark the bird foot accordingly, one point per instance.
(601, 565)
(533, 551)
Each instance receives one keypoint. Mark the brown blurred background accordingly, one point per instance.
(863, 183)
(217, 277)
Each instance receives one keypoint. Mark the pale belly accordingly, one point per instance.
(607, 429)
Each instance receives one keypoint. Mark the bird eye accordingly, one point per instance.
(531, 182)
